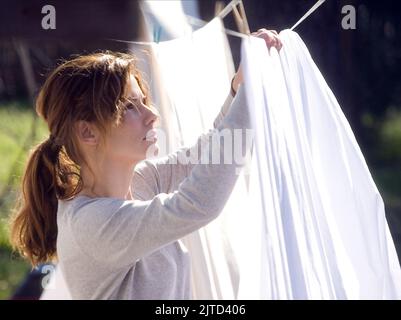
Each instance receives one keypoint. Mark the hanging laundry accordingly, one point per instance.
(323, 229)
(308, 221)
(196, 71)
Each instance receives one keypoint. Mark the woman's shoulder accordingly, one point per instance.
(82, 206)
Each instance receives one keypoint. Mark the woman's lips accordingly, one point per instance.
(151, 135)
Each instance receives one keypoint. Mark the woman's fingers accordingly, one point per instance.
(271, 38)
(279, 44)
(263, 30)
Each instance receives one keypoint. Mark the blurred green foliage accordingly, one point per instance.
(20, 129)
(390, 136)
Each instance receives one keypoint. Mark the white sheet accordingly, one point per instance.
(323, 230)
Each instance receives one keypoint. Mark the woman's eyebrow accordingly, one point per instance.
(136, 98)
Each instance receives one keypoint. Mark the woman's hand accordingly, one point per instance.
(271, 38)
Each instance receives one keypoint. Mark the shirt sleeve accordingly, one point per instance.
(120, 232)
(166, 173)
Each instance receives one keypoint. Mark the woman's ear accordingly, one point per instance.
(87, 133)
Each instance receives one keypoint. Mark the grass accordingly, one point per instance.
(16, 138)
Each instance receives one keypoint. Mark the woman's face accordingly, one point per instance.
(130, 139)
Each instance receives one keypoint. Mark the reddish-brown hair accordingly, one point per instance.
(91, 88)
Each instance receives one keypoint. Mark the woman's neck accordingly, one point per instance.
(107, 180)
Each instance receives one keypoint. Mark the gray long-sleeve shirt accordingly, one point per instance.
(111, 248)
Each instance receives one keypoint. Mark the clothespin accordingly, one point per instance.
(218, 7)
(308, 13)
(156, 34)
(240, 17)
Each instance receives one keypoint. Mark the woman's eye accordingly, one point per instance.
(135, 105)
(132, 106)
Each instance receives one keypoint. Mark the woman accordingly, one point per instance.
(115, 235)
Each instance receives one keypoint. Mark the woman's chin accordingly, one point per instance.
(152, 150)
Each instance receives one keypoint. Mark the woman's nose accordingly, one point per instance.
(152, 115)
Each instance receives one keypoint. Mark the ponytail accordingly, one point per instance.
(34, 227)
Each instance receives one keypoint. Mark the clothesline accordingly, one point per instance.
(308, 13)
(192, 21)
(223, 13)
